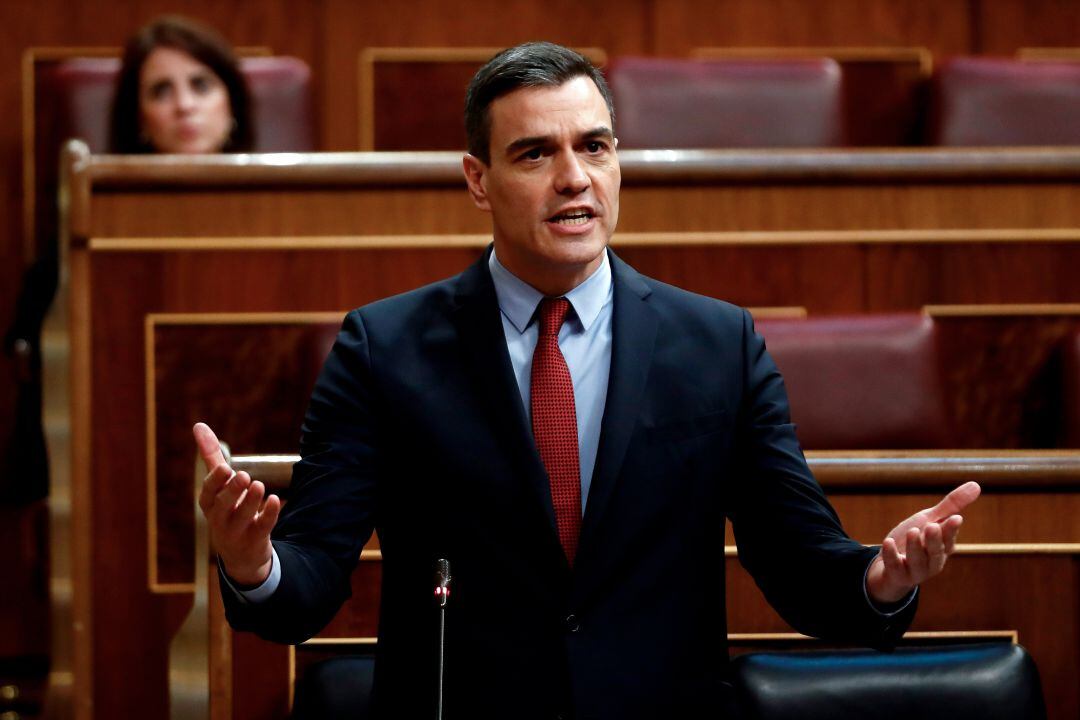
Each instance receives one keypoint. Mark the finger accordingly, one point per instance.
(916, 555)
(950, 529)
(935, 547)
(212, 484)
(231, 493)
(955, 502)
(268, 516)
(894, 561)
(209, 447)
(247, 507)
(895, 571)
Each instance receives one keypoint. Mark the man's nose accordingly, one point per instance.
(570, 175)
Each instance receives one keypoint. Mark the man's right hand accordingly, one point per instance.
(240, 519)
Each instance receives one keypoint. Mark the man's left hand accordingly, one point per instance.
(917, 548)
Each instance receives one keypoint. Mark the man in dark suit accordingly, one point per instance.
(570, 435)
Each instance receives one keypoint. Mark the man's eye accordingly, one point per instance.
(534, 154)
(595, 146)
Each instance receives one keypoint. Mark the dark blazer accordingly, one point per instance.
(416, 428)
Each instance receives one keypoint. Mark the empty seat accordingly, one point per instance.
(991, 101)
(667, 103)
(862, 381)
(884, 88)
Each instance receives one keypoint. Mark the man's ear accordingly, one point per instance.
(476, 178)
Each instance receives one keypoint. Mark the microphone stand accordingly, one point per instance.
(442, 594)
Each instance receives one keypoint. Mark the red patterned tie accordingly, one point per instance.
(554, 423)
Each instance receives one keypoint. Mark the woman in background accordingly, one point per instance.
(180, 91)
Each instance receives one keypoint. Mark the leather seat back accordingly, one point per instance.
(992, 101)
(861, 381)
(670, 103)
(991, 681)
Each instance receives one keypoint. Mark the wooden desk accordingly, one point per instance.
(161, 250)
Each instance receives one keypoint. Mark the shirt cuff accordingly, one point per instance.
(885, 611)
(261, 592)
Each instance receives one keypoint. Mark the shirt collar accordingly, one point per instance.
(518, 300)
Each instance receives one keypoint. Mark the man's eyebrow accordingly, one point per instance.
(600, 131)
(526, 142)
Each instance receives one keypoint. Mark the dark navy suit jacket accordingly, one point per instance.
(416, 429)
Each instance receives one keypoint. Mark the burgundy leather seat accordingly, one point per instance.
(1071, 390)
(666, 103)
(991, 101)
(861, 382)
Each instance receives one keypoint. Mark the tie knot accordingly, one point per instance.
(552, 313)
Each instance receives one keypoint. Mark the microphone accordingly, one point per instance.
(442, 594)
(442, 581)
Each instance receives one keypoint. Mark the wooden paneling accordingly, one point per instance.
(944, 28)
(1003, 375)
(1006, 25)
(411, 98)
(248, 380)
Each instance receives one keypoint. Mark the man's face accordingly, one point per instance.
(552, 186)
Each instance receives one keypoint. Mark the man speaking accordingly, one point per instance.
(570, 435)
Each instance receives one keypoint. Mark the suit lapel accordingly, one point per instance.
(633, 335)
(479, 326)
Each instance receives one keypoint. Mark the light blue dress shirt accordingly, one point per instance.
(585, 341)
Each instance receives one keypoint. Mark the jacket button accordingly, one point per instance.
(572, 623)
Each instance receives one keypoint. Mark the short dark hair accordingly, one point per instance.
(201, 43)
(535, 64)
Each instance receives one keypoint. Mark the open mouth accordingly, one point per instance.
(572, 217)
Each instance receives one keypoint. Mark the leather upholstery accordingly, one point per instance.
(1070, 381)
(335, 689)
(861, 382)
(988, 681)
(992, 681)
(668, 103)
(282, 113)
(991, 101)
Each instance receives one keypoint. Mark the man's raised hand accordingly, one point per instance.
(239, 512)
(918, 548)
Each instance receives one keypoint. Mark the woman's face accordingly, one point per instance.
(183, 104)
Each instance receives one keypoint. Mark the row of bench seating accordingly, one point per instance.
(875, 381)
(740, 102)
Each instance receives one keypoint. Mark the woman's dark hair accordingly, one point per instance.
(201, 43)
